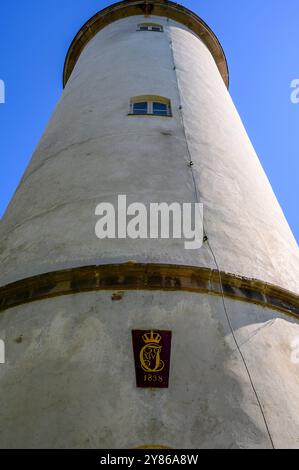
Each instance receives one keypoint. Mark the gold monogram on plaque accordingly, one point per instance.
(152, 357)
(150, 354)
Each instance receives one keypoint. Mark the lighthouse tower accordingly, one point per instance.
(146, 113)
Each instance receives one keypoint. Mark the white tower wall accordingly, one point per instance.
(92, 151)
(69, 378)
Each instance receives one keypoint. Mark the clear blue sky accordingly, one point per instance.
(260, 38)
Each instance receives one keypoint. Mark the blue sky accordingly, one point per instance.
(260, 39)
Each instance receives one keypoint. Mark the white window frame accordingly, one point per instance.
(150, 27)
(136, 102)
(150, 106)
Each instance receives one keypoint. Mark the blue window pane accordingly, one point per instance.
(161, 109)
(156, 28)
(143, 28)
(140, 108)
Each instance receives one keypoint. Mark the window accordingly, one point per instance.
(150, 105)
(140, 108)
(160, 109)
(150, 27)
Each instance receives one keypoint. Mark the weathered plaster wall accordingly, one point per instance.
(69, 380)
(92, 151)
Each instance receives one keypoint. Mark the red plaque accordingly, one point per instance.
(152, 349)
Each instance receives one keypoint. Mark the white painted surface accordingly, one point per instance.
(71, 381)
(92, 151)
(69, 378)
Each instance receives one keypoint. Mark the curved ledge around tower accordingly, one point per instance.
(129, 8)
(137, 276)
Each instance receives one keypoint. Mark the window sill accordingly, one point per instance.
(148, 31)
(151, 115)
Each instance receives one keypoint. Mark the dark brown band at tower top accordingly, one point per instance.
(128, 8)
(160, 277)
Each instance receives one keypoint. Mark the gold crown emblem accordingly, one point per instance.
(152, 337)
